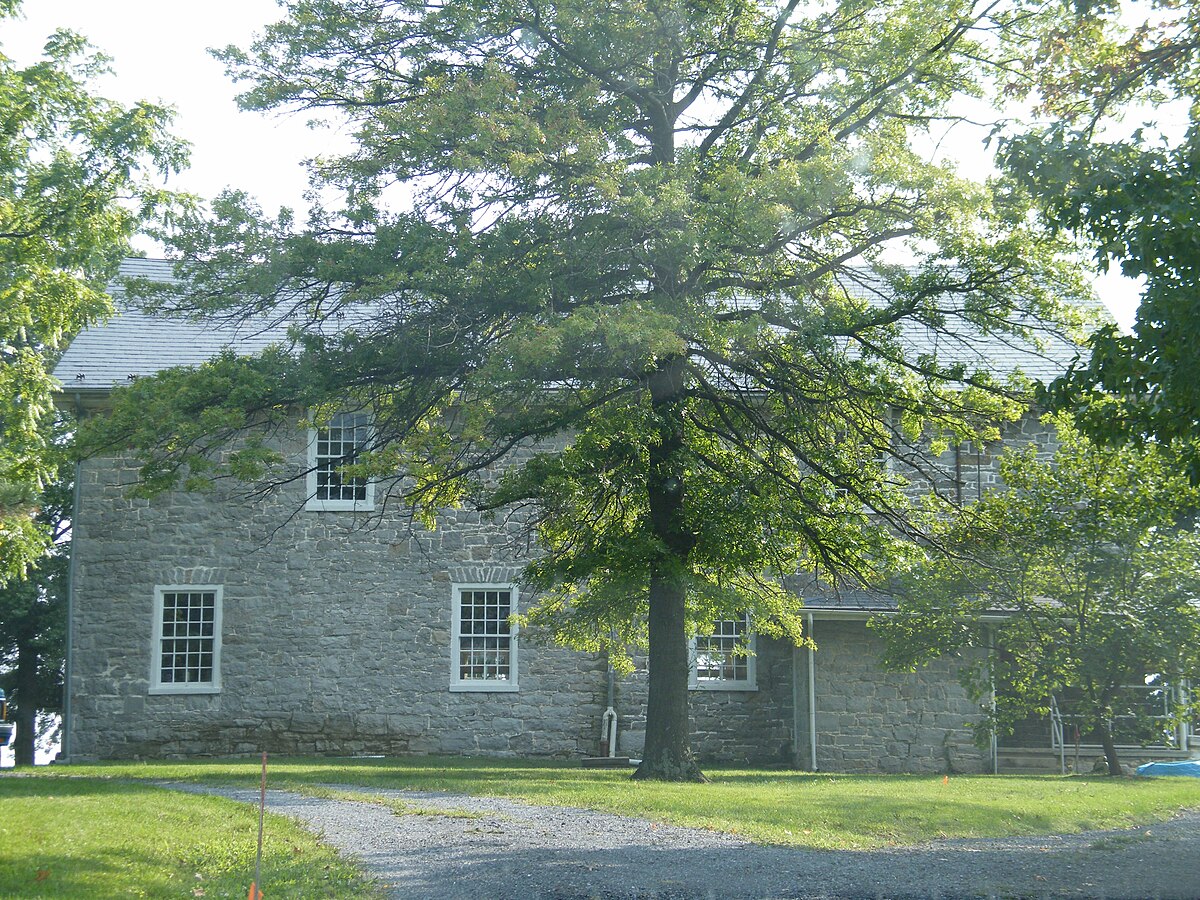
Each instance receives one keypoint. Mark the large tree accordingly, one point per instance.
(74, 187)
(650, 234)
(1081, 579)
(1117, 163)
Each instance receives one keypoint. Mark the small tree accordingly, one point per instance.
(1093, 560)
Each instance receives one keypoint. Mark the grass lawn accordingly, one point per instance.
(776, 807)
(102, 838)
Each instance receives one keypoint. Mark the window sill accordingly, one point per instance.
(484, 687)
(167, 689)
(743, 686)
(340, 506)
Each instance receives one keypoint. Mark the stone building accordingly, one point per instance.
(217, 624)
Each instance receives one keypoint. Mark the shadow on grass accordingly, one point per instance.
(13, 787)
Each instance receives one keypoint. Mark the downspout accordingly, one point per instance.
(608, 722)
(796, 758)
(995, 740)
(68, 661)
(812, 697)
(958, 479)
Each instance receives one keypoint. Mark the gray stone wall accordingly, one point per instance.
(336, 632)
(968, 471)
(336, 639)
(735, 726)
(872, 720)
(748, 726)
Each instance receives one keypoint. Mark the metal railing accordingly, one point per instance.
(1154, 705)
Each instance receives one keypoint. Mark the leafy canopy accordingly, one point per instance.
(74, 187)
(1092, 558)
(1131, 192)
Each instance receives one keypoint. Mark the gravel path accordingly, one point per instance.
(516, 851)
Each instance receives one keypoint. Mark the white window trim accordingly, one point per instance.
(749, 683)
(458, 684)
(175, 687)
(312, 504)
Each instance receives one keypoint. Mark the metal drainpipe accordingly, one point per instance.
(978, 471)
(608, 722)
(995, 741)
(812, 698)
(958, 479)
(65, 748)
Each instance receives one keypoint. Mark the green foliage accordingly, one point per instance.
(650, 235)
(73, 189)
(98, 838)
(33, 617)
(1132, 200)
(1091, 558)
(782, 808)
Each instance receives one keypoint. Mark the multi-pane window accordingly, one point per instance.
(485, 642)
(332, 447)
(724, 658)
(187, 639)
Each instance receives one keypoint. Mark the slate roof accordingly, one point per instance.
(851, 601)
(999, 354)
(132, 344)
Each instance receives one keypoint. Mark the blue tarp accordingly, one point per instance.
(1187, 767)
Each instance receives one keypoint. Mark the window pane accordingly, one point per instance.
(188, 637)
(721, 656)
(485, 643)
(338, 444)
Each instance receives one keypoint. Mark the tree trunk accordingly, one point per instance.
(1110, 750)
(668, 752)
(26, 697)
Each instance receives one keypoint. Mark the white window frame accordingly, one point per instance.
(457, 683)
(157, 685)
(749, 683)
(315, 504)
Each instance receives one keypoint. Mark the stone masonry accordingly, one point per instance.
(336, 632)
(871, 720)
(336, 639)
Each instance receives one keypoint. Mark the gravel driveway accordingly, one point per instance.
(516, 851)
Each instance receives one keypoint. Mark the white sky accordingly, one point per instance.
(160, 52)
